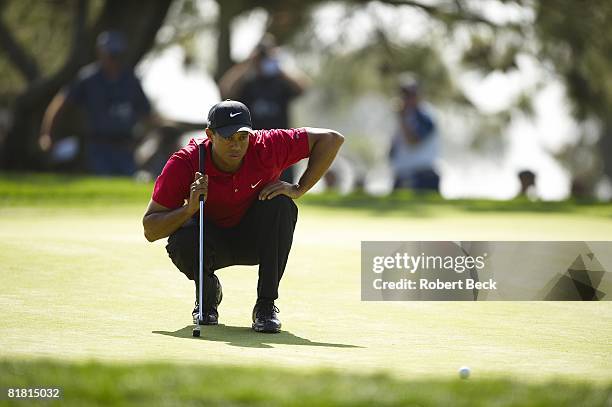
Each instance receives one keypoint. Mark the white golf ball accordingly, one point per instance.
(464, 372)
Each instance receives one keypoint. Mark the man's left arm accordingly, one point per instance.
(296, 81)
(324, 145)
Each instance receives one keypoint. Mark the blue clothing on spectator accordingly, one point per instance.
(421, 123)
(112, 108)
(414, 164)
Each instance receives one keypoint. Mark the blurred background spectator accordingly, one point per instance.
(113, 103)
(415, 146)
(527, 179)
(266, 87)
(505, 98)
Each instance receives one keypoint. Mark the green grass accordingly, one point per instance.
(80, 283)
(166, 384)
(17, 189)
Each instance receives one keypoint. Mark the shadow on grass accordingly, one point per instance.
(247, 338)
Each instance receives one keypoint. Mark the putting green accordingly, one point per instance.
(82, 283)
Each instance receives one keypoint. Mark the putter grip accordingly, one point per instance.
(202, 162)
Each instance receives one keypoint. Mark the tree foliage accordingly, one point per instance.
(44, 43)
(69, 29)
(576, 37)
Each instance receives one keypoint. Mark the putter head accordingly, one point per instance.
(196, 331)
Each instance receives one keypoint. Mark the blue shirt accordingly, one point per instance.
(420, 122)
(112, 107)
(422, 125)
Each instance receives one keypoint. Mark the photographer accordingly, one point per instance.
(265, 87)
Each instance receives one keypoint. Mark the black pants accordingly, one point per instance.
(422, 180)
(263, 236)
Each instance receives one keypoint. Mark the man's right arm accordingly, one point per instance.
(55, 109)
(160, 221)
(408, 133)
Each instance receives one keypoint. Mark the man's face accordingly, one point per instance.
(230, 150)
(111, 63)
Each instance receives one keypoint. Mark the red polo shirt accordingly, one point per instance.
(231, 194)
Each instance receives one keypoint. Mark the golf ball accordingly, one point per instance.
(464, 372)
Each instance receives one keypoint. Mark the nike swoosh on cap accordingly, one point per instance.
(235, 114)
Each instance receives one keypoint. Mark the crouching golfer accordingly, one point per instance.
(250, 215)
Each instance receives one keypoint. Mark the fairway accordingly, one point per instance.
(81, 283)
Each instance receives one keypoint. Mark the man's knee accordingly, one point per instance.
(182, 240)
(181, 249)
(282, 204)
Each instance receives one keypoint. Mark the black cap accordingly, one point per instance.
(229, 117)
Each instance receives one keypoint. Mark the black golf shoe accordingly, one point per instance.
(265, 318)
(211, 316)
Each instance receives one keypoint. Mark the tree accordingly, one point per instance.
(27, 103)
(577, 38)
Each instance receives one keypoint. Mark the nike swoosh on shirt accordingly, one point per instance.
(255, 184)
(235, 114)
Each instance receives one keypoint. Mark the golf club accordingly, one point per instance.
(196, 328)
